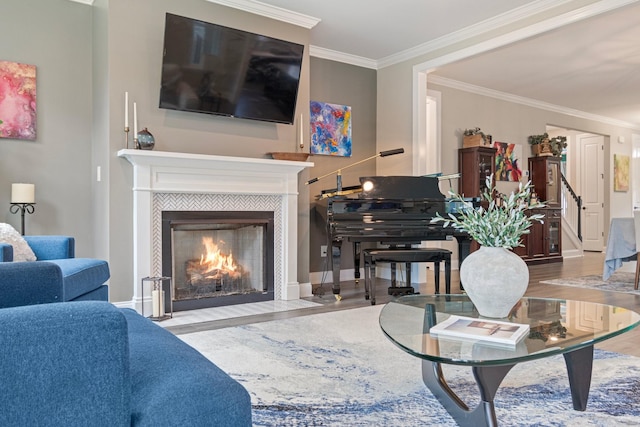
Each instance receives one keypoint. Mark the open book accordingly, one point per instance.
(491, 331)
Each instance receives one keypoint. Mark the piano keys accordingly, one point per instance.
(391, 210)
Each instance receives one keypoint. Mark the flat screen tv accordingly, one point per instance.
(208, 68)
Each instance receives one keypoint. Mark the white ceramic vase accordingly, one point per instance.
(495, 279)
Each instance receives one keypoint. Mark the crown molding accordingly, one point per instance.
(502, 20)
(269, 11)
(320, 52)
(89, 2)
(503, 96)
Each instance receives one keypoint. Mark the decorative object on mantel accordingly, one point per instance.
(296, 157)
(18, 89)
(23, 199)
(494, 277)
(126, 120)
(145, 139)
(475, 137)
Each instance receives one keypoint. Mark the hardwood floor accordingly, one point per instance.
(353, 296)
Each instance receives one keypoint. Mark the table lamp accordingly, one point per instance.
(23, 199)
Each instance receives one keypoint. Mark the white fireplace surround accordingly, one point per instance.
(197, 182)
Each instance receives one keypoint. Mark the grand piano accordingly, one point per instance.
(391, 210)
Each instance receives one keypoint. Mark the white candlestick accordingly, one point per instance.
(23, 193)
(301, 133)
(155, 303)
(126, 109)
(135, 121)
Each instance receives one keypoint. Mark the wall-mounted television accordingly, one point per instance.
(208, 68)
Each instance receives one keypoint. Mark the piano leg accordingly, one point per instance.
(336, 250)
(356, 261)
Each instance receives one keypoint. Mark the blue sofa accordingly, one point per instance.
(92, 364)
(57, 276)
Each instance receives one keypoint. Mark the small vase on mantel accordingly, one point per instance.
(495, 279)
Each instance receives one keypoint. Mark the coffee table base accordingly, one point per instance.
(579, 367)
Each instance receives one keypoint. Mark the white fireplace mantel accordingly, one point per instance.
(161, 173)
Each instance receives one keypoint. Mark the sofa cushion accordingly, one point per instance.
(64, 364)
(81, 275)
(21, 250)
(166, 370)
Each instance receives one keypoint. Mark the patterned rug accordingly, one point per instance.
(338, 369)
(618, 282)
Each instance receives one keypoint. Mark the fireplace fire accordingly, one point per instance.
(213, 268)
(218, 258)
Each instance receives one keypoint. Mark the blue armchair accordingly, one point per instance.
(92, 364)
(56, 276)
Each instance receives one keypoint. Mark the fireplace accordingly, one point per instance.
(218, 257)
(165, 181)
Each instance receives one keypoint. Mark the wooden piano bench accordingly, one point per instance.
(407, 256)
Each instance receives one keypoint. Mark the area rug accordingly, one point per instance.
(618, 282)
(338, 369)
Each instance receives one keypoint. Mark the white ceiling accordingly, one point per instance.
(591, 65)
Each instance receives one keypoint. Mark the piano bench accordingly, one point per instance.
(407, 256)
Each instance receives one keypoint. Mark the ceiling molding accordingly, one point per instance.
(479, 28)
(472, 31)
(320, 52)
(89, 2)
(503, 96)
(269, 11)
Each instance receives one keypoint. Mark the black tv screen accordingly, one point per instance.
(208, 68)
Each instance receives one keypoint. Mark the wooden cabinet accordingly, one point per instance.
(475, 164)
(544, 242)
(545, 177)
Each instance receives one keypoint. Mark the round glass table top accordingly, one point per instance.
(556, 326)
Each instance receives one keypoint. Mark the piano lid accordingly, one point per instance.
(400, 187)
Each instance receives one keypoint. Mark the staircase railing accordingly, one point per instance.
(572, 211)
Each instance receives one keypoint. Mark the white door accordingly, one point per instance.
(592, 189)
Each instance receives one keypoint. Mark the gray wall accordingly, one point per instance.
(344, 84)
(54, 35)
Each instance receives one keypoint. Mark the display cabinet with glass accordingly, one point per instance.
(475, 164)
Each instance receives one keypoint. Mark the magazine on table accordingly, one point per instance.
(490, 331)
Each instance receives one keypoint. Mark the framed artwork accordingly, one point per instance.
(330, 129)
(508, 161)
(620, 172)
(17, 101)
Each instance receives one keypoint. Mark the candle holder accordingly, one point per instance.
(158, 302)
(23, 208)
(126, 137)
(136, 145)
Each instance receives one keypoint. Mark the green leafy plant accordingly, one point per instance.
(558, 143)
(476, 131)
(501, 224)
(538, 139)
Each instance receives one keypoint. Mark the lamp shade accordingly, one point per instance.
(23, 193)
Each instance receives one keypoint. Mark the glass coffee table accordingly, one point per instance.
(566, 327)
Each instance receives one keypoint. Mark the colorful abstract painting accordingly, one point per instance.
(330, 129)
(17, 100)
(508, 161)
(620, 172)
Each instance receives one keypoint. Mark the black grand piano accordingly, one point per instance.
(391, 210)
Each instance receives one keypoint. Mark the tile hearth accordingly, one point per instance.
(181, 318)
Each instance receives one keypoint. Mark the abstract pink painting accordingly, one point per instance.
(17, 100)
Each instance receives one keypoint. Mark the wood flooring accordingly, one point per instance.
(353, 296)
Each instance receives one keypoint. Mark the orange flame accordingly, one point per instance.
(213, 259)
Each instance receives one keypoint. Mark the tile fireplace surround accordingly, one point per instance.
(196, 182)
